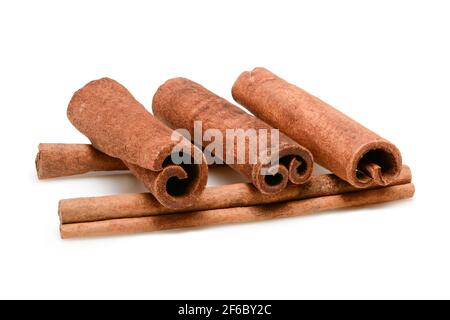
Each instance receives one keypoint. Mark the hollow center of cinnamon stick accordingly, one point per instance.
(301, 165)
(177, 187)
(273, 180)
(378, 165)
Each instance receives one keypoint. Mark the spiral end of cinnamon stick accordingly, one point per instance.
(179, 186)
(295, 164)
(378, 163)
(298, 161)
(37, 163)
(175, 186)
(271, 179)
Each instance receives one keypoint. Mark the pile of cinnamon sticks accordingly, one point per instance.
(367, 169)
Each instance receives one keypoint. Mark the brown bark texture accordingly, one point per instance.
(342, 145)
(119, 126)
(180, 102)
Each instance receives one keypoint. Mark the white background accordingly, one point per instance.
(385, 63)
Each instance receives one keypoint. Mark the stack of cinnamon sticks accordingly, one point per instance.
(367, 169)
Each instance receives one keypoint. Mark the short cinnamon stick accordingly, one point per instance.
(122, 128)
(180, 102)
(236, 215)
(345, 147)
(60, 160)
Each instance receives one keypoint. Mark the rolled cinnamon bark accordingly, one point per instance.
(121, 127)
(227, 196)
(179, 102)
(60, 160)
(55, 160)
(351, 151)
(235, 215)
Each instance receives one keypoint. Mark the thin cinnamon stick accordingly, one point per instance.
(180, 102)
(236, 215)
(345, 147)
(122, 128)
(59, 160)
(55, 160)
(227, 196)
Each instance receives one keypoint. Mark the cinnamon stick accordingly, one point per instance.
(55, 160)
(236, 215)
(345, 147)
(60, 160)
(122, 128)
(227, 196)
(180, 102)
